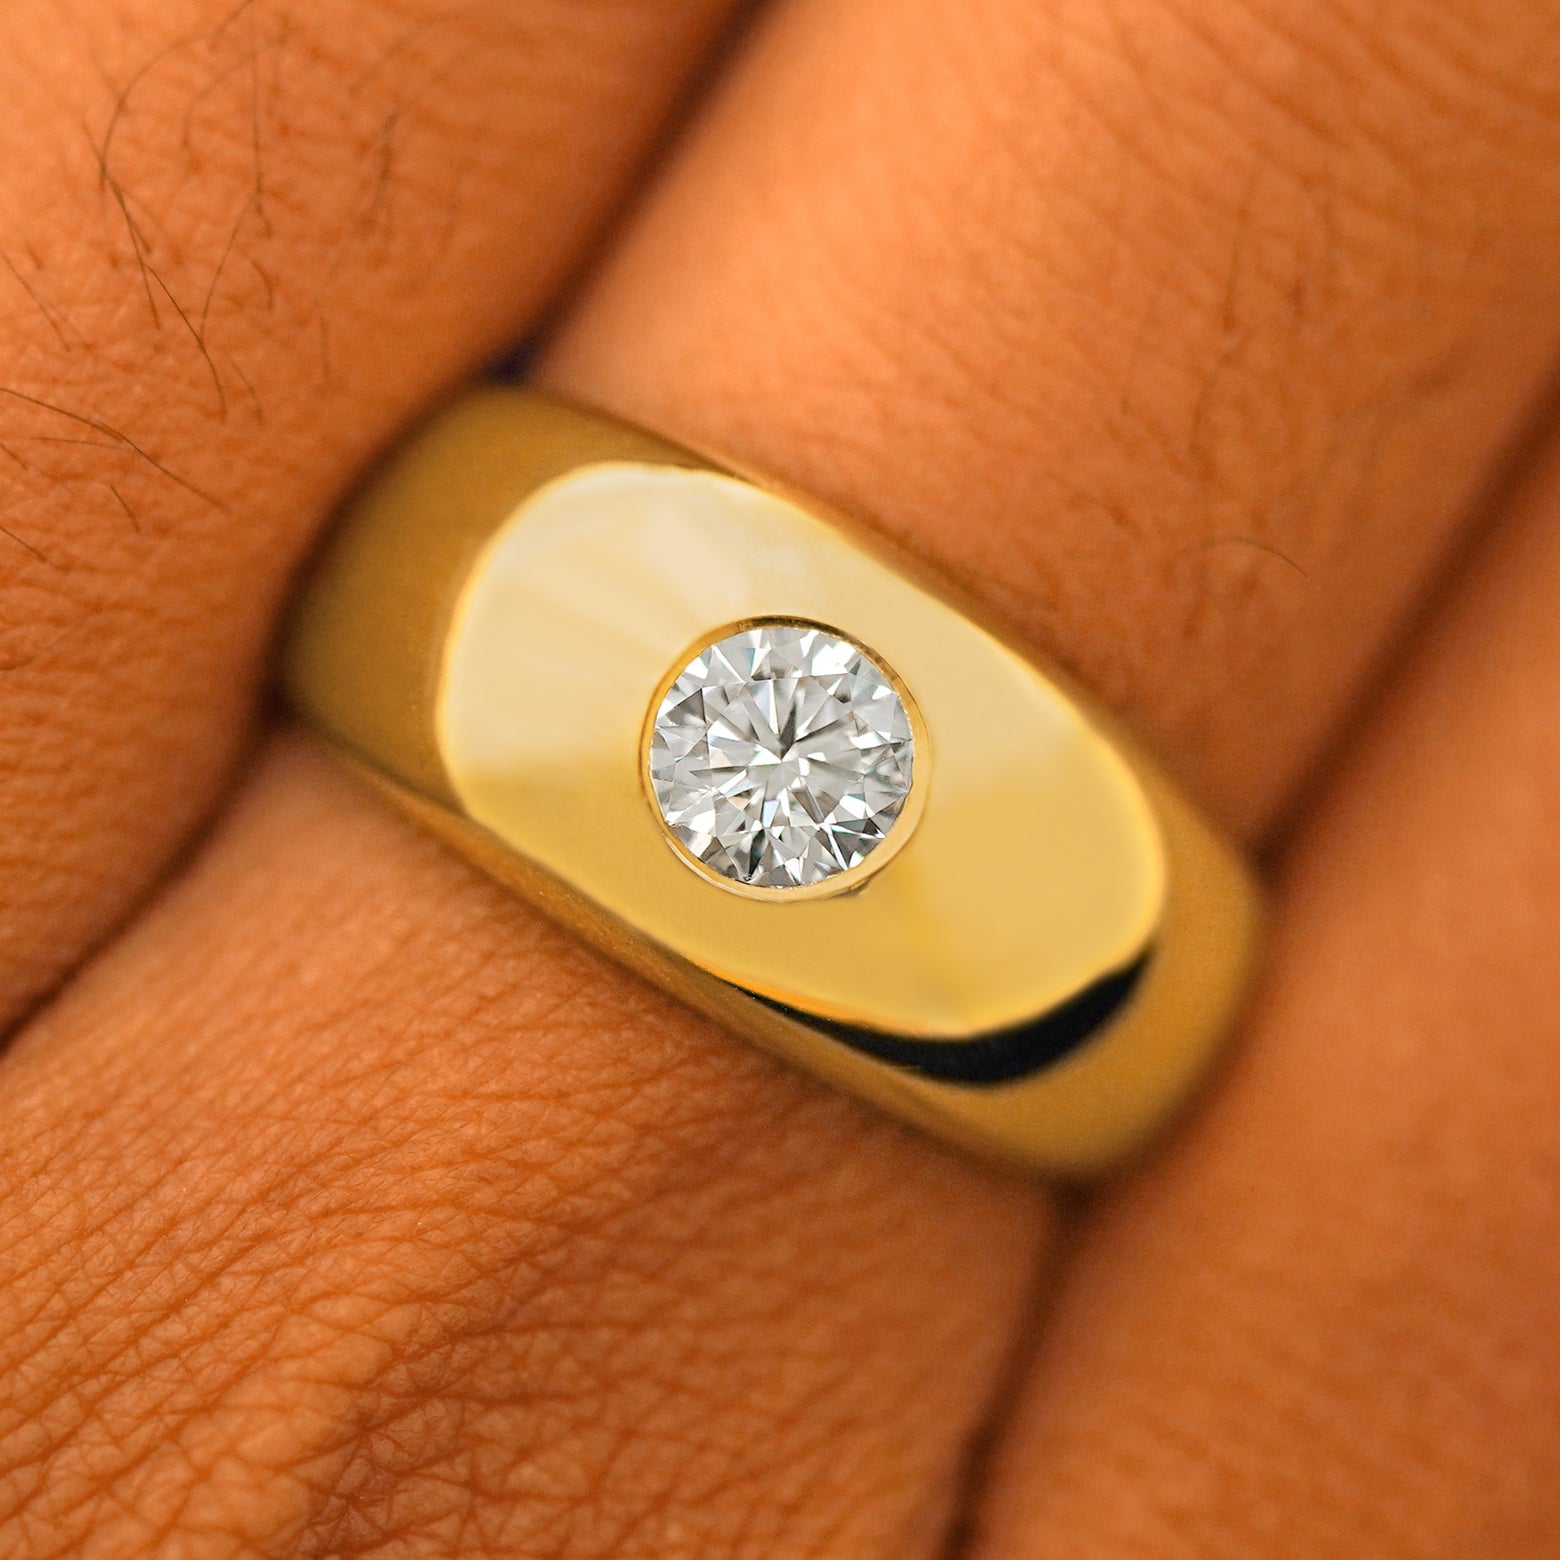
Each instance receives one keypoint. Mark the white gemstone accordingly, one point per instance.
(781, 755)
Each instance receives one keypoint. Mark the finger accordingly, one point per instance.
(1325, 1324)
(355, 1204)
(885, 1281)
(243, 243)
(1184, 334)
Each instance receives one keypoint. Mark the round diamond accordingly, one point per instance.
(781, 755)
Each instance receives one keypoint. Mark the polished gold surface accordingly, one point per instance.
(503, 608)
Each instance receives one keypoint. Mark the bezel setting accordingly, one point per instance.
(875, 799)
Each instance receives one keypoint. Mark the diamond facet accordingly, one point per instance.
(781, 755)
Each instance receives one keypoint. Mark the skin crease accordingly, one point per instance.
(357, 1211)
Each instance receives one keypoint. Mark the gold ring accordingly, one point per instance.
(748, 750)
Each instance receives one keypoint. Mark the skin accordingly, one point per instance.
(347, 1207)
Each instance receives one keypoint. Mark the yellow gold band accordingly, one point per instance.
(1035, 960)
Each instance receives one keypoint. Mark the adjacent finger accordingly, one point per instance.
(1325, 1324)
(1182, 333)
(243, 242)
(351, 1203)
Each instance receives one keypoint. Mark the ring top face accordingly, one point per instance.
(780, 757)
(605, 587)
